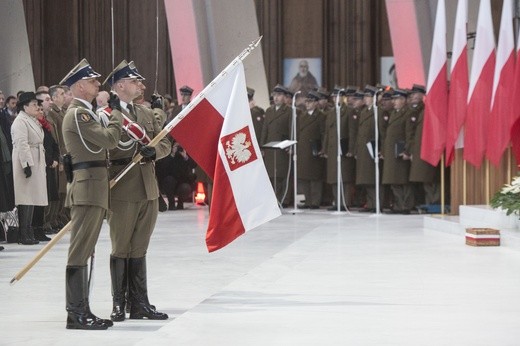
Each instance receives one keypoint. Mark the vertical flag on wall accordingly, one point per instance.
(515, 109)
(436, 104)
(480, 87)
(459, 84)
(501, 119)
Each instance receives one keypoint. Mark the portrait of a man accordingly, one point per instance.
(302, 79)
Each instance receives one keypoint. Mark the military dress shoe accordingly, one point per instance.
(118, 313)
(367, 210)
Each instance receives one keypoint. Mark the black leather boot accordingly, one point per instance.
(25, 235)
(79, 315)
(118, 273)
(39, 234)
(140, 307)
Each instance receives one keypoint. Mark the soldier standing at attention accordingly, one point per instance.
(257, 113)
(277, 127)
(365, 166)
(396, 168)
(420, 170)
(134, 200)
(86, 140)
(311, 131)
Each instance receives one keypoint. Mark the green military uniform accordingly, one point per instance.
(396, 170)
(87, 141)
(57, 114)
(311, 131)
(350, 129)
(87, 195)
(365, 166)
(330, 148)
(277, 127)
(134, 203)
(420, 170)
(257, 115)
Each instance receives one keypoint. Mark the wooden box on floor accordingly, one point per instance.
(482, 237)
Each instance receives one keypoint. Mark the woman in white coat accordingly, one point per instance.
(30, 187)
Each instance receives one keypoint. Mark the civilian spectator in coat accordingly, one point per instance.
(6, 174)
(30, 186)
(41, 214)
(176, 177)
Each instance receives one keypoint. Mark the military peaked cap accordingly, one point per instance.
(82, 70)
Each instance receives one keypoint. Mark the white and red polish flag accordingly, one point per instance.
(515, 109)
(459, 82)
(501, 119)
(436, 104)
(480, 87)
(218, 134)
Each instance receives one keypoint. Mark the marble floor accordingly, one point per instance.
(313, 278)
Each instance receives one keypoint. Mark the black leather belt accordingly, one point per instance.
(126, 161)
(88, 164)
(121, 162)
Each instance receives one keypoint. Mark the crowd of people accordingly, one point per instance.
(407, 182)
(61, 145)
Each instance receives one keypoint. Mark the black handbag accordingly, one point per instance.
(12, 234)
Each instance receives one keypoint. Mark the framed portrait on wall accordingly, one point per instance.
(302, 74)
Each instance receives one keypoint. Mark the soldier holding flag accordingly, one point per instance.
(86, 140)
(134, 200)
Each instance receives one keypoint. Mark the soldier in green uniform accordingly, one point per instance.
(56, 114)
(356, 105)
(396, 169)
(257, 113)
(134, 200)
(330, 145)
(310, 126)
(386, 106)
(420, 171)
(277, 127)
(87, 139)
(323, 103)
(365, 166)
(186, 93)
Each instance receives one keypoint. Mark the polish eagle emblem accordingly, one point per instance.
(239, 148)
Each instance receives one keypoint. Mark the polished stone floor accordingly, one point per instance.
(313, 278)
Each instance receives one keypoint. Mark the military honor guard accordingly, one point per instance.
(396, 168)
(420, 171)
(330, 144)
(365, 150)
(257, 113)
(310, 127)
(134, 200)
(277, 127)
(86, 139)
